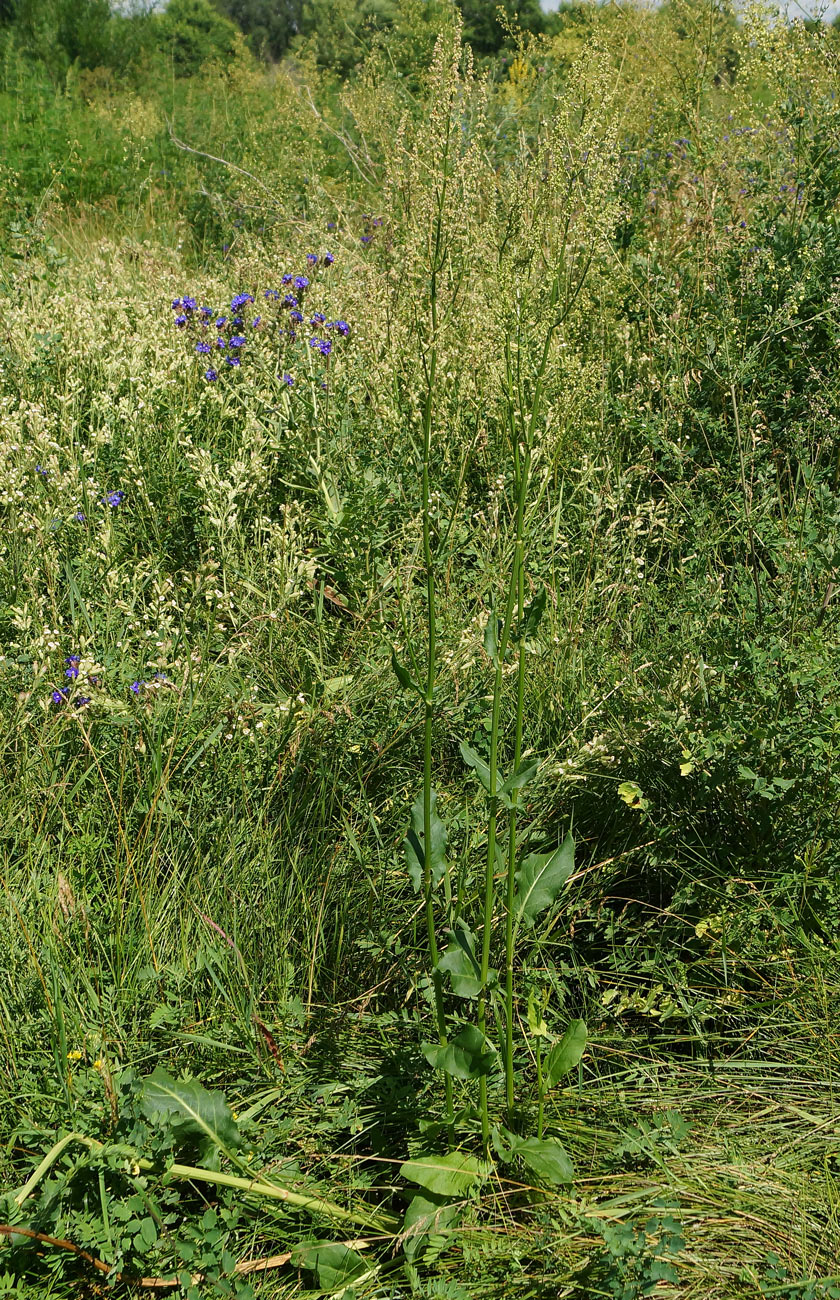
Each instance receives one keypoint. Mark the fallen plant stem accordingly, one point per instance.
(196, 1174)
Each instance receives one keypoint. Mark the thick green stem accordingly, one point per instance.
(194, 1173)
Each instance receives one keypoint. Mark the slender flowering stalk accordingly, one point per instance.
(430, 364)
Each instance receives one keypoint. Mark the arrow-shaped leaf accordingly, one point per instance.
(461, 964)
(545, 1157)
(482, 771)
(414, 848)
(523, 774)
(467, 1056)
(540, 879)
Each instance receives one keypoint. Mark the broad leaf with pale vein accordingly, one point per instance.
(540, 879)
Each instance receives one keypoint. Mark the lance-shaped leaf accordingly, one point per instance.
(491, 635)
(451, 1175)
(461, 964)
(566, 1054)
(540, 879)
(193, 1115)
(403, 676)
(414, 847)
(466, 1056)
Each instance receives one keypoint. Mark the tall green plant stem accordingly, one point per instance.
(431, 657)
(522, 437)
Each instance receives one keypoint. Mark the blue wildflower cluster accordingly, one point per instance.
(61, 695)
(226, 338)
(66, 695)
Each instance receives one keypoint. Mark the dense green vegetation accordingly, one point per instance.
(420, 490)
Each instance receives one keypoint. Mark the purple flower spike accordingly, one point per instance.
(301, 283)
(211, 375)
(328, 259)
(287, 379)
(312, 258)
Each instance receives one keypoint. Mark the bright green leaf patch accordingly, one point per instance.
(468, 1055)
(453, 1174)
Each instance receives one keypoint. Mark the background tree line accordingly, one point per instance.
(95, 33)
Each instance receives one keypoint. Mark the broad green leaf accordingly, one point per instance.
(192, 1114)
(426, 1214)
(523, 774)
(565, 1055)
(413, 846)
(449, 1175)
(335, 1265)
(461, 964)
(545, 1157)
(467, 1056)
(402, 674)
(540, 879)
